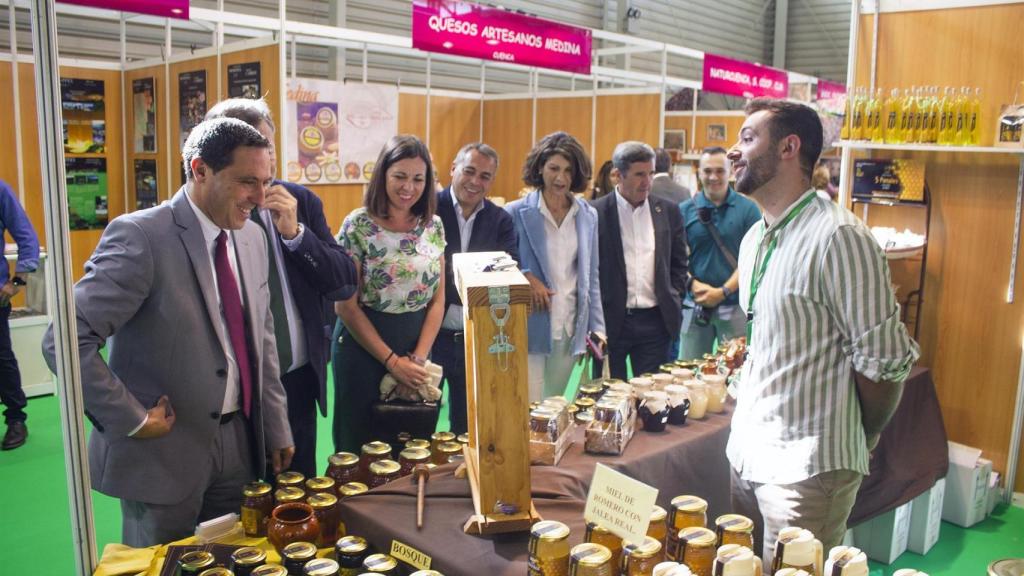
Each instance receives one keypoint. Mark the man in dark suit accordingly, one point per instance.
(189, 404)
(472, 223)
(643, 264)
(308, 271)
(663, 185)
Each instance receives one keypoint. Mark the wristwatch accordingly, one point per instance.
(725, 291)
(18, 281)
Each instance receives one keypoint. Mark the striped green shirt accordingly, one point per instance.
(824, 309)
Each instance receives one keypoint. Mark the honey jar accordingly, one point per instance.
(600, 535)
(350, 552)
(658, 528)
(295, 555)
(246, 559)
(290, 478)
(325, 508)
(410, 457)
(320, 567)
(585, 403)
(736, 560)
(426, 573)
(589, 391)
(697, 550)
(669, 568)
(590, 559)
(640, 559)
(323, 484)
(448, 452)
(194, 562)
(289, 494)
(418, 443)
(436, 439)
(381, 564)
(846, 561)
(343, 467)
(372, 452)
(661, 380)
(383, 471)
(270, 570)
(735, 529)
(717, 392)
(698, 399)
(463, 439)
(686, 512)
(543, 425)
(549, 549)
(257, 504)
(217, 571)
(352, 489)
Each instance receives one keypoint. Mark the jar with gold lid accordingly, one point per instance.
(217, 571)
(735, 529)
(350, 552)
(657, 528)
(290, 478)
(410, 457)
(383, 471)
(295, 555)
(697, 550)
(426, 573)
(589, 391)
(325, 508)
(640, 559)
(289, 494)
(343, 467)
(448, 452)
(194, 562)
(270, 570)
(418, 443)
(583, 417)
(598, 534)
(684, 512)
(322, 484)
(257, 504)
(320, 567)
(372, 452)
(590, 559)
(438, 438)
(381, 564)
(352, 489)
(585, 403)
(463, 439)
(548, 549)
(246, 559)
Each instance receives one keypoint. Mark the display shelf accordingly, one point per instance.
(877, 202)
(866, 145)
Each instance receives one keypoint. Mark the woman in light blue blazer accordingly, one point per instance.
(558, 253)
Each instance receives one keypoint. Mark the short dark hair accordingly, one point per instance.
(564, 145)
(214, 142)
(626, 153)
(714, 150)
(480, 147)
(399, 148)
(662, 161)
(252, 112)
(786, 118)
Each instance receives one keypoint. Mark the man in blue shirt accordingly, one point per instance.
(711, 309)
(14, 220)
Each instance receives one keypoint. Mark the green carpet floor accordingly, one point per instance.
(37, 530)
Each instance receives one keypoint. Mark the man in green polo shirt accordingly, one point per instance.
(716, 220)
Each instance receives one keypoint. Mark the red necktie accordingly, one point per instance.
(231, 302)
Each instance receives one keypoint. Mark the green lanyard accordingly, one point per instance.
(758, 275)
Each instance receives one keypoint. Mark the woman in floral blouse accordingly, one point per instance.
(389, 325)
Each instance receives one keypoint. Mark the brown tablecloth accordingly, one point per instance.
(912, 454)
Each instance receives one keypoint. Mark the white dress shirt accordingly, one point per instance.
(637, 230)
(295, 332)
(453, 317)
(563, 248)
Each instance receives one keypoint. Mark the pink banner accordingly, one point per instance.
(830, 90)
(739, 78)
(466, 29)
(167, 8)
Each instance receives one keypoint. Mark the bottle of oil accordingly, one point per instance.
(934, 114)
(907, 113)
(963, 111)
(891, 113)
(876, 123)
(857, 127)
(921, 114)
(974, 136)
(947, 129)
(844, 132)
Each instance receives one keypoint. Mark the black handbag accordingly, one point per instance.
(391, 419)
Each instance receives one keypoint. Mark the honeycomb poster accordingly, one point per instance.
(336, 131)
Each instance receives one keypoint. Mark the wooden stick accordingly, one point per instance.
(421, 473)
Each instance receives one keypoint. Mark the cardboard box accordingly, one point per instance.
(926, 518)
(994, 493)
(967, 481)
(884, 538)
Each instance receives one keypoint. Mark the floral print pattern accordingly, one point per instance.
(400, 270)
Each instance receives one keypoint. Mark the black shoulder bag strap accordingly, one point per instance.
(704, 215)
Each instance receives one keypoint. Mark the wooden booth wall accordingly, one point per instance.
(685, 122)
(970, 336)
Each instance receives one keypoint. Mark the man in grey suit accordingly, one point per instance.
(190, 404)
(663, 185)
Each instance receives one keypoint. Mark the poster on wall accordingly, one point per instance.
(244, 80)
(82, 104)
(336, 132)
(191, 102)
(144, 107)
(87, 192)
(145, 183)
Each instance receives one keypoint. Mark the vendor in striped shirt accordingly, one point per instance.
(823, 330)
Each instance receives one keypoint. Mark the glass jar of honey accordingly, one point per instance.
(372, 452)
(640, 559)
(322, 484)
(585, 403)
(549, 549)
(381, 564)
(590, 391)
(384, 471)
(736, 560)
(685, 512)
(697, 550)
(590, 559)
(735, 529)
(295, 555)
(448, 452)
(246, 559)
(289, 494)
(352, 489)
(658, 527)
(698, 399)
(270, 570)
(194, 562)
(343, 467)
(463, 439)
(600, 535)
(325, 508)
(290, 478)
(217, 571)
(320, 567)
(436, 439)
(410, 457)
(418, 443)
(350, 552)
(257, 504)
